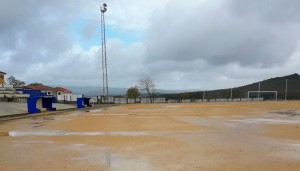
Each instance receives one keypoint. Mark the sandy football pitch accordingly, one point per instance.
(192, 136)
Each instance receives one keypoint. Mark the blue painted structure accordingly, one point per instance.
(82, 102)
(36, 95)
(47, 102)
(31, 105)
(32, 93)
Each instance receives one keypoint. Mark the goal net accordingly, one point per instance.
(262, 95)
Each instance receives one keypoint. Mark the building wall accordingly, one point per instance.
(1, 79)
(68, 97)
(50, 92)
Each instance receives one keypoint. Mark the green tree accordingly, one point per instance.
(184, 96)
(34, 84)
(133, 93)
(13, 81)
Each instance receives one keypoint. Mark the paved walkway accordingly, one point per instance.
(10, 108)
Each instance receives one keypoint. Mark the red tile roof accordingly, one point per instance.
(39, 87)
(63, 90)
(43, 87)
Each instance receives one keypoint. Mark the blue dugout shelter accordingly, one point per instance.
(82, 102)
(38, 100)
(34, 104)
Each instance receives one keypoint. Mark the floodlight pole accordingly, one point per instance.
(104, 60)
(203, 94)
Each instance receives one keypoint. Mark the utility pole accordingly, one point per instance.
(231, 94)
(286, 89)
(104, 60)
(258, 89)
(203, 94)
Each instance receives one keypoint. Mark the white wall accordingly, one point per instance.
(68, 97)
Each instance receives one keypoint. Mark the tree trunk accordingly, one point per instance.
(150, 96)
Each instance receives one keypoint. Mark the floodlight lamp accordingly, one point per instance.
(103, 9)
(104, 4)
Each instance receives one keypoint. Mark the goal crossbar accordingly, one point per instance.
(262, 92)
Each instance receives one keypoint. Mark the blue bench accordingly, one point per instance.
(46, 101)
(82, 102)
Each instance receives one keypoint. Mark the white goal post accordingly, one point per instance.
(258, 92)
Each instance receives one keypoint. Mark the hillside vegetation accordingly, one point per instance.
(274, 84)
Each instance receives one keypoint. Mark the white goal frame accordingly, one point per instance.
(262, 92)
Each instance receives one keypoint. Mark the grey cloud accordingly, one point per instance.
(195, 44)
(273, 11)
(125, 63)
(34, 31)
(74, 65)
(219, 36)
(36, 45)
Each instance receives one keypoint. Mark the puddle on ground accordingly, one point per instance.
(63, 133)
(104, 156)
(36, 126)
(95, 110)
(35, 123)
(46, 142)
(217, 117)
(76, 145)
(110, 114)
(238, 116)
(197, 121)
(170, 106)
(295, 145)
(48, 118)
(115, 108)
(218, 105)
(288, 150)
(39, 122)
(45, 118)
(267, 121)
(230, 125)
(77, 113)
(118, 162)
(33, 118)
(290, 112)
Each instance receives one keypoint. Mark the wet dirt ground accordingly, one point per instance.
(192, 136)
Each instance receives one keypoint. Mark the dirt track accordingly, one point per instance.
(195, 136)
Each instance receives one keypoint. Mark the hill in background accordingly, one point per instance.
(97, 90)
(274, 84)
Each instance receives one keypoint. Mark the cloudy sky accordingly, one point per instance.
(190, 44)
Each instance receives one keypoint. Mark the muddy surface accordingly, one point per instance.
(194, 136)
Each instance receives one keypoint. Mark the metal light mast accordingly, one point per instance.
(104, 60)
